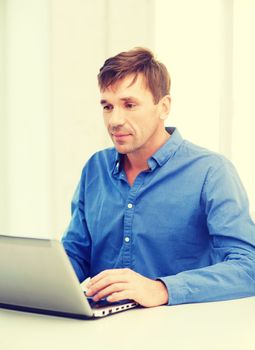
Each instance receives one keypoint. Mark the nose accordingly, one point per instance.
(117, 118)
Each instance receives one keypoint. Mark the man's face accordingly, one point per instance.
(131, 116)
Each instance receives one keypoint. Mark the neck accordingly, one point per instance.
(138, 160)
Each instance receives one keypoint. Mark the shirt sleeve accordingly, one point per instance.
(76, 240)
(231, 274)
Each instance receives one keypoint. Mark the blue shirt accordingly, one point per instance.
(185, 221)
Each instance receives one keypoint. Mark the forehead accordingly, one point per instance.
(131, 85)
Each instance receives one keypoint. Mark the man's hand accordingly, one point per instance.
(120, 284)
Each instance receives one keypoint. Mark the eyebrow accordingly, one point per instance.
(125, 99)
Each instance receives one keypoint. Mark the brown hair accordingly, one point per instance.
(135, 61)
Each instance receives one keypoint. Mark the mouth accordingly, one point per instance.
(120, 136)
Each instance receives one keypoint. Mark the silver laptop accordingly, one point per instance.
(37, 276)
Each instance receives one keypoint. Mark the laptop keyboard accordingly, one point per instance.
(104, 303)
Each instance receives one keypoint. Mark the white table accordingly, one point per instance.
(228, 325)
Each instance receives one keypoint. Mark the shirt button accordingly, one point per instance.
(130, 205)
(127, 239)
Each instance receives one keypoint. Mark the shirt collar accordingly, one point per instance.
(160, 157)
(165, 152)
(117, 163)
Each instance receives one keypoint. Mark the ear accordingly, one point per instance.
(165, 106)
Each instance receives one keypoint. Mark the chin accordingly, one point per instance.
(121, 150)
(124, 148)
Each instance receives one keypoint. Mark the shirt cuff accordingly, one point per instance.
(176, 287)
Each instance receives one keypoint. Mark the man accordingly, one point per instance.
(157, 219)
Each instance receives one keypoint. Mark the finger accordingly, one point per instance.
(122, 295)
(116, 287)
(106, 280)
(106, 273)
(102, 284)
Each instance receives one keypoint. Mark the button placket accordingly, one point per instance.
(128, 221)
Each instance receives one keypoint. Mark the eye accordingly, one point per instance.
(107, 108)
(130, 105)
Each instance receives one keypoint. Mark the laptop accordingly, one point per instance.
(36, 275)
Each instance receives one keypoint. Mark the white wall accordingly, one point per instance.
(3, 155)
(129, 24)
(189, 40)
(27, 115)
(244, 94)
